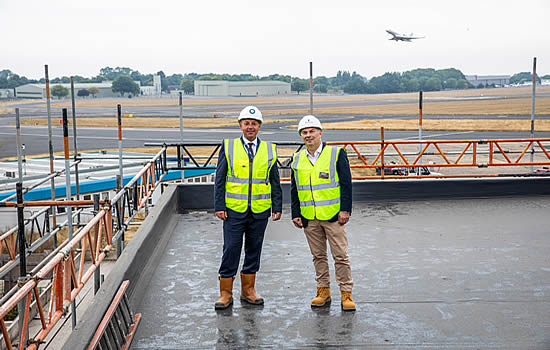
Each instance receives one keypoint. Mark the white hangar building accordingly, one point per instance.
(240, 88)
(39, 90)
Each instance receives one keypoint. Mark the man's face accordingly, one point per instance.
(250, 128)
(311, 137)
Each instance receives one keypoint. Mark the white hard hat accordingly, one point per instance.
(309, 121)
(251, 112)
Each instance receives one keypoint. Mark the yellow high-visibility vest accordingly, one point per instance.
(318, 185)
(244, 185)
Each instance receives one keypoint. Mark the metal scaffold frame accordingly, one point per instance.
(66, 266)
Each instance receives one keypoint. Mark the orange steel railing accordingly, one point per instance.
(477, 158)
(68, 272)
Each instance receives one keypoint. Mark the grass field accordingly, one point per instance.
(290, 99)
(440, 125)
(497, 103)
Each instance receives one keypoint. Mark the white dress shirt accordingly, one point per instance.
(254, 145)
(313, 158)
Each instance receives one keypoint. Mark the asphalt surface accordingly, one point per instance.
(441, 274)
(35, 138)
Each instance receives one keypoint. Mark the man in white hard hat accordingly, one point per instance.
(247, 191)
(321, 205)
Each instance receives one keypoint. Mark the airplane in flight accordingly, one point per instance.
(403, 37)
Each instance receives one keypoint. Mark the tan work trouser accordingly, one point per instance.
(317, 233)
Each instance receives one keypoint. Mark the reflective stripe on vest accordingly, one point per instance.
(319, 197)
(242, 179)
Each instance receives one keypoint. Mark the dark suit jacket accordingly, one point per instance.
(344, 174)
(219, 190)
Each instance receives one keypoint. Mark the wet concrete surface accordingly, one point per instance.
(453, 274)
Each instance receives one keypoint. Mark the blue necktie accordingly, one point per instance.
(251, 148)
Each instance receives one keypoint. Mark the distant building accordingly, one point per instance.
(6, 93)
(39, 90)
(485, 80)
(154, 90)
(240, 88)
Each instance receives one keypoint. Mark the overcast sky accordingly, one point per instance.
(266, 37)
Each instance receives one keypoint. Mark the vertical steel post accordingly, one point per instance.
(68, 196)
(382, 169)
(50, 145)
(310, 87)
(22, 251)
(119, 117)
(19, 150)
(97, 272)
(533, 110)
(75, 150)
(181, 128)
(420, 127)
(119, 204)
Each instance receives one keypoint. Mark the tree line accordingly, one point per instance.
(425, 79)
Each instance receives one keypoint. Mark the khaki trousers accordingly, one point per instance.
(317, 233)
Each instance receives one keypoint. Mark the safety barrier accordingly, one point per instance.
(387, 156)
(66, 267)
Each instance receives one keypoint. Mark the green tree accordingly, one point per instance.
(411, 85)
(124, 84)
(523, 77)
(450, 83)
(320, 88)
(299, 85)
(461, 84)
(432, 84)
(59, 91)
(83, 93)
(93, 91)
(355, 86)
(188, 85)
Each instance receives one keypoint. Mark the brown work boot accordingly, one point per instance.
(226, 293)
(347, 302)
(322, 298)
(248, 293)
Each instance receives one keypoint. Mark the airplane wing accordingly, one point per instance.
(392, 32)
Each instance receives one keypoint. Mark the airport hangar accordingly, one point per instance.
(240, 88)
(105, 89)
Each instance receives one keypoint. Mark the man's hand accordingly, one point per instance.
(222, 215)
(275, 216)
(298, 222)
(343, 217)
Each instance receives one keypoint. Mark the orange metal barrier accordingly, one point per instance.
(476, 158)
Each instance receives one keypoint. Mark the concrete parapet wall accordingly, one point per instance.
(136, 264)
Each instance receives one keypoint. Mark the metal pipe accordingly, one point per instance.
(22, 251)
(120, 241)
(75, 149)
(181, 127)
(68, 196)
(420, 124)
(382, 150)
(50, 144)
(119, 119)
(533, 108)
(310, 87)
(97, 272)
(19, 150)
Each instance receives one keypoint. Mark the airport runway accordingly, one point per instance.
(35, 138)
